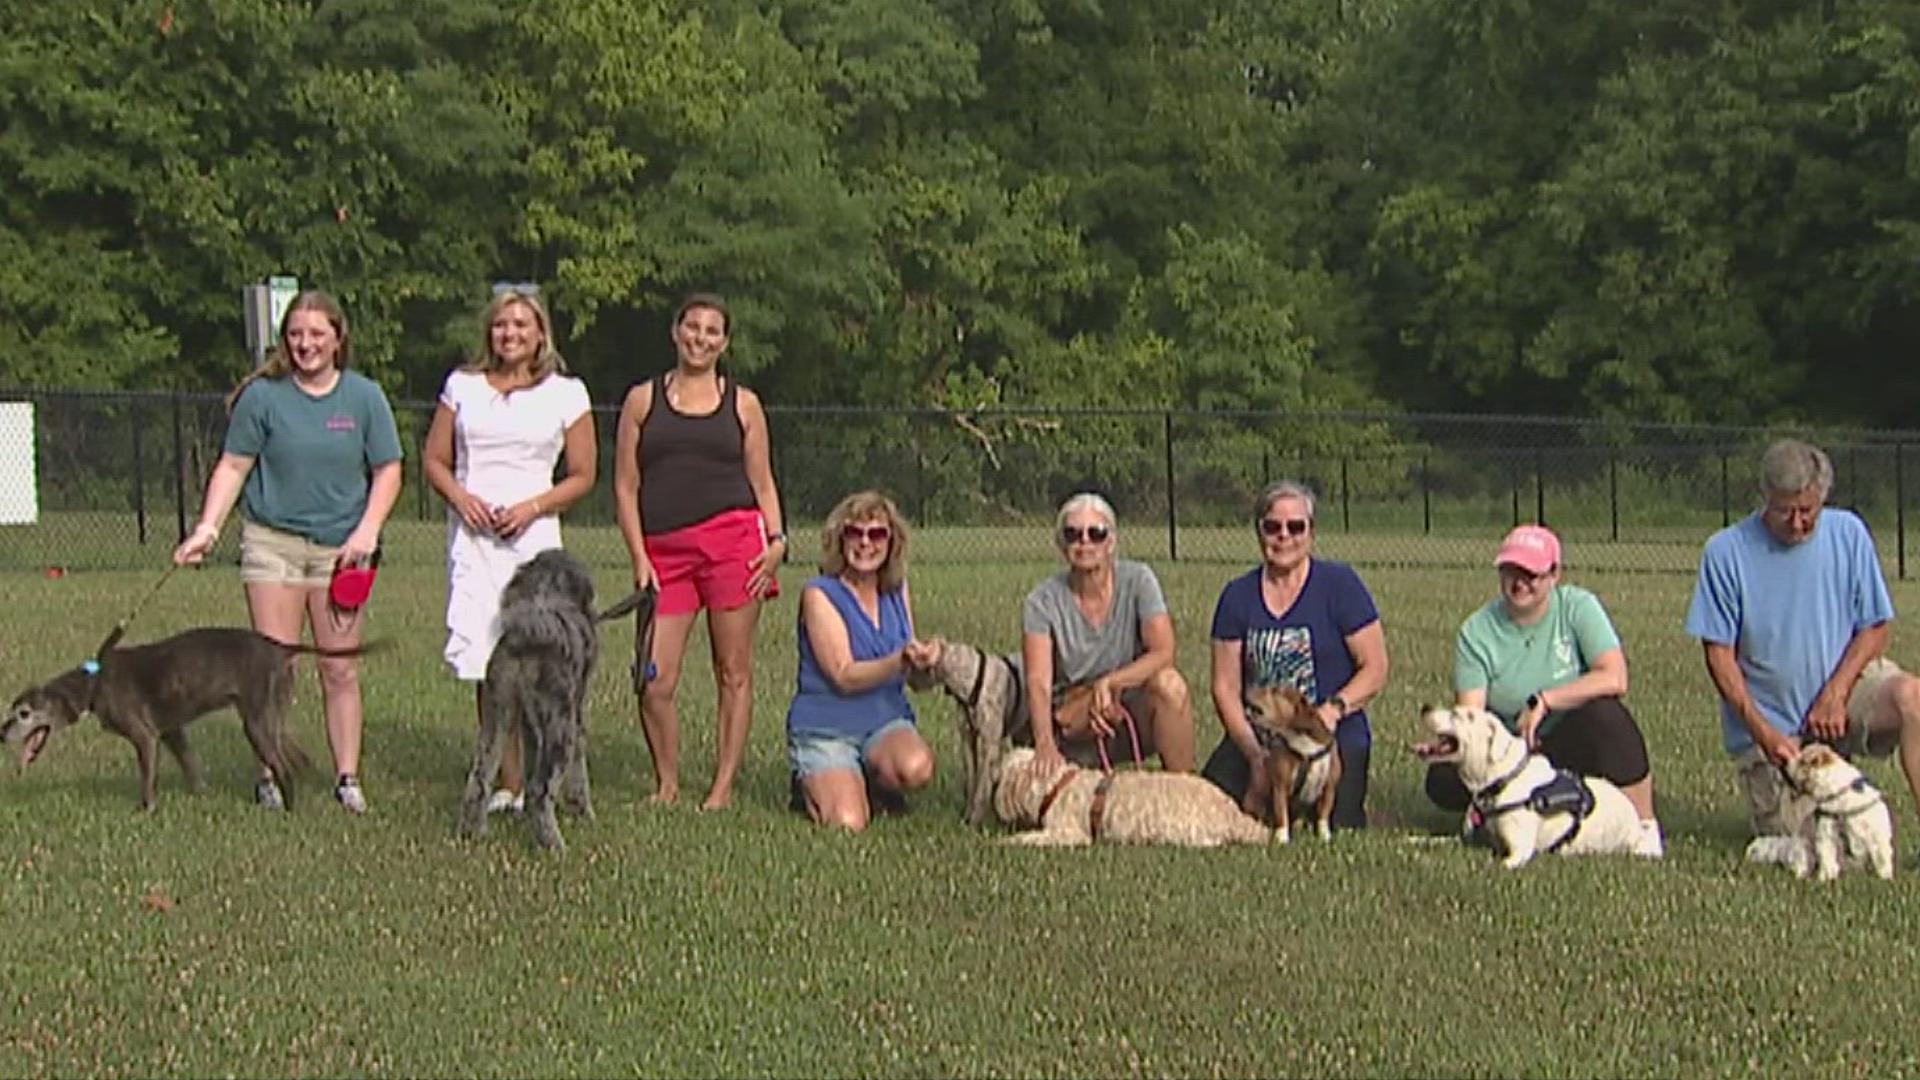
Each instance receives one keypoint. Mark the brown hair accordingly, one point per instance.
(278, 365)
(705, 300)
(546, 362)
(860, 506)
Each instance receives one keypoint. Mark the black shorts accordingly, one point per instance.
(1599, 738)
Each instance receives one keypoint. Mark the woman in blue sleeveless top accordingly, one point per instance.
(850, 727)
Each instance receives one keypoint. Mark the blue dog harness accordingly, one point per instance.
(1566, 793)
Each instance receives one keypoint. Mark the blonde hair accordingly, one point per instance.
(860, 506)
(545, 362)
(279, 365)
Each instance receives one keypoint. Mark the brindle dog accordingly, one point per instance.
(148, 694)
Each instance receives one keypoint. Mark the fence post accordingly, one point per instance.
(1613, 491)
(1727, 508)
(179, 472)
(1173, 531)
(420, 479)
(139, 474)
(1539, 488)
(1426, 500)
(1346, 498)
(1266, 466)
(1513, 488)
(1900, 506)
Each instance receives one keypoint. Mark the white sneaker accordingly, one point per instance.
(1650, 845)
(348, 793)
(504, 801)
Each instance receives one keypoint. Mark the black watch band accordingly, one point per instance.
(1340, 703)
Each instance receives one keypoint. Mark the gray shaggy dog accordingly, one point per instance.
(536, 688)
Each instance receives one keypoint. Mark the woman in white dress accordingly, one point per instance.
(502, 423)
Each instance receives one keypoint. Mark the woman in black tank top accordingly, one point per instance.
(694, 494)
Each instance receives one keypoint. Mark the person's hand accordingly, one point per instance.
(475, 512)
(358, 548)
(195, 547)
(511, 521)
(644, 577)
(1330, 715)
(1048, 757)
(1530, 717)
(922, 655)
(764, 581)
(1827, 720)
(1782, 749)
(1105, 709)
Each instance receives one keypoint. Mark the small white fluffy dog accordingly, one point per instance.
(1835, 818)
(1503, 774)
(1071, 805)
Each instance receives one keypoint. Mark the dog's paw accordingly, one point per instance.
(1325, 830)
(1282, 836)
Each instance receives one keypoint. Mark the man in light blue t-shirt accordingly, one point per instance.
(1793, 612)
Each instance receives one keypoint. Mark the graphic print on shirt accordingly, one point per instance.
(1282, 656)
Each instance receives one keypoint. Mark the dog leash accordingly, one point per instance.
(120, 628)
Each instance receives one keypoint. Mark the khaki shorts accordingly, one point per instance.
(1766, 789)
(271, 557)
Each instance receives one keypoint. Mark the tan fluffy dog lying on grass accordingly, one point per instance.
(1068, 805)
(1303, 765)
(1835, 818)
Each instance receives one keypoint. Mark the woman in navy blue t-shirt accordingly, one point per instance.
(1302, 622)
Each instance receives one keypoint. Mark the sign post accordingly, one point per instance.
(264, 307)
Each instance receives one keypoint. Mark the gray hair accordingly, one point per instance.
(1282, 489)
(1085, 500)
(1790, 466)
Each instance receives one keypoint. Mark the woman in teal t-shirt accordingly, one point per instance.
(1545, 658)
(313, 457)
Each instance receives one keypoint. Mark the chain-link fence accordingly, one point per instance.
(113, 480)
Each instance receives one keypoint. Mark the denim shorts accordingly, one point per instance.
(811, 752)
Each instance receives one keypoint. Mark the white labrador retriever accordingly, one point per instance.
(1527, 808)
(1835, 818)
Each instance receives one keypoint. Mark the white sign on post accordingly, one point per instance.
(19, 480)
(264, 306)
(280, 294)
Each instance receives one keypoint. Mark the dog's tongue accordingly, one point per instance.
(31, 747)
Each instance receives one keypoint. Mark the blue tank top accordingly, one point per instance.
(820, 709)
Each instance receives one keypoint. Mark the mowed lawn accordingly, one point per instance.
(214, 938)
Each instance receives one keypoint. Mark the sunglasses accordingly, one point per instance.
(1092, 534)
(872, 534)
(1292, 527)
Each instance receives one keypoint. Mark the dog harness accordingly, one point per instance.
(1271, 740)
(1821, 807)
(1566, 793)
(1096, 810)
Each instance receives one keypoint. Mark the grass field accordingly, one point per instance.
(214, 938)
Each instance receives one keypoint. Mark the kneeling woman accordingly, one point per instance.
(1544, 657)
(850, 729)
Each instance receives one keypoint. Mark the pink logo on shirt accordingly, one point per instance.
(340, 422)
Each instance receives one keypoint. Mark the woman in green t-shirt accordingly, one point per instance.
(1545, 658)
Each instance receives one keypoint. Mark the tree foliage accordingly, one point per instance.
(1681, 212)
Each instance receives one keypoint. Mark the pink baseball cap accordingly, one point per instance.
(1532, 548)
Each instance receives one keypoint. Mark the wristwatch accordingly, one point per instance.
(1534, 701)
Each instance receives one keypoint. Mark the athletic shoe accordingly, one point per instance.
(267, 794)
(348, 794)
(1650, 845)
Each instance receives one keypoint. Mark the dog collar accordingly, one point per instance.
(1060, 785)
(1860, 784)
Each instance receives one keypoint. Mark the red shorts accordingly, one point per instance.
(707, 564)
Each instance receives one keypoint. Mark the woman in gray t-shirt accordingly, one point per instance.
(1097, 646)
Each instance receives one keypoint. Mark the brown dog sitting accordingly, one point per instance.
(1303, 765)
(148, 694)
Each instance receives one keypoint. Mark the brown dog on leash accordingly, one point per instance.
(1303, 765)
(148, 694)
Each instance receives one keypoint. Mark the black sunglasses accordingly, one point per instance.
(1292, 527)
(1092, 534)
(874, 534)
